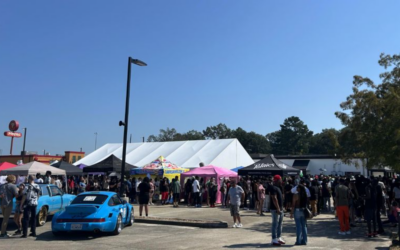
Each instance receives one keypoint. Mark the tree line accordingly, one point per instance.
(293, 138)
(370, 115)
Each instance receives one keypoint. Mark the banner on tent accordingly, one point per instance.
(137, 171)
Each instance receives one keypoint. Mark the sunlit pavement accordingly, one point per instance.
(322, 233)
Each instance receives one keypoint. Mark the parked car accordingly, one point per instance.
(96, 211)
(51, 200)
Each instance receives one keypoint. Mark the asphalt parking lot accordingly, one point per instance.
(255, 234)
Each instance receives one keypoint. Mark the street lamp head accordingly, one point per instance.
(121, 123)
(138, 62)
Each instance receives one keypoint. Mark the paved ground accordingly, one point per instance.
(255, 234)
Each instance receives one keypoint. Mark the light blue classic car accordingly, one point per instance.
(51, 200)
(94, 212)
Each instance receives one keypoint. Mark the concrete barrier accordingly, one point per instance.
(182, 222)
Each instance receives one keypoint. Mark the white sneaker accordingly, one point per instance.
(341, 233)
(275, 242)
(280, 240)
(348, 232)
(240, 225)
(235, 225)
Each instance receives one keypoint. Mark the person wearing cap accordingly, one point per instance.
(276, 207)
(29, 203)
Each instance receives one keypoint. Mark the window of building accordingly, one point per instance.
(79, 157)
(73, 159)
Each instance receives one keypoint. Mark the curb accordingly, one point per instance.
(178, 222)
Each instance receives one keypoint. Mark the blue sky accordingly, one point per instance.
(248, 64)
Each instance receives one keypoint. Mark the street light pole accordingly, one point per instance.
(23, 148)
(125, 123)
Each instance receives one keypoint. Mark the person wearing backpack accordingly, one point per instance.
(8, 192)
(28, 205)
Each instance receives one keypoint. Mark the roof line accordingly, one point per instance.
(197, 152)
(234, 139)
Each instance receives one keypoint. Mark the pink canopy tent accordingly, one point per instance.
(6, 165)
(208, 172)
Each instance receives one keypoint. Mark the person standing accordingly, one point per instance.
(261, 197)
(275, 192)
(288, 194)
(379, 205)
(213, 187)
(299, 204)
(235, 196)
(188, 191)
(18, 212)
(152, 189)
(222, 190)
(38, 179)
(144, 195)
(47, 178)
(326, 194)
(314, 196)
(137, 188)
(196, 191)
(342, 196)
(29, 203)
(176, 190)
(8, 192)
(370, 207)
(164, 190)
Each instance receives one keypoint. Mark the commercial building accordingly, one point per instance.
(69, 156)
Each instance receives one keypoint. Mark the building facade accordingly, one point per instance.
(70, 156)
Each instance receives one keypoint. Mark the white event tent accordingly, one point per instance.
(225, 153)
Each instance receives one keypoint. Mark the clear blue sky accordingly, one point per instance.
(248, 64)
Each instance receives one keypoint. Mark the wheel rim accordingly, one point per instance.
(42, 215)
(119, 224)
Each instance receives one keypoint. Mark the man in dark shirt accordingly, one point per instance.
(370, 206)
(276, 207)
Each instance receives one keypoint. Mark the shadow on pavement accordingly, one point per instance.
(82, 236)
(249, 245)
(320, 228)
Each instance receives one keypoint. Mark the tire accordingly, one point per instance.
(41, 218)
(118, 226)
(131, 219)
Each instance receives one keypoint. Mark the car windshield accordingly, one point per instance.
(90, 199)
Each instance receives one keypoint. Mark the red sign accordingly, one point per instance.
(12, 134)
(14, 125)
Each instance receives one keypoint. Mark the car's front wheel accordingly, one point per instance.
(131, 219)
(42, 216)
(118, 225)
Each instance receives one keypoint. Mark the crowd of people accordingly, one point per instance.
(351, 199)
(354, 200)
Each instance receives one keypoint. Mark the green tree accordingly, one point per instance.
(371, 115)
(189, 136)
(252, 142)
(293, 137)
(221, 131)
(165, 135)
(325, 142)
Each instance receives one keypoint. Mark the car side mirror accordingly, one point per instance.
(124, 202)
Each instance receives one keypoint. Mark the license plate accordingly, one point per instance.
(76, 226)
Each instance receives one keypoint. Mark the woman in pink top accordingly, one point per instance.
(261, 197)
